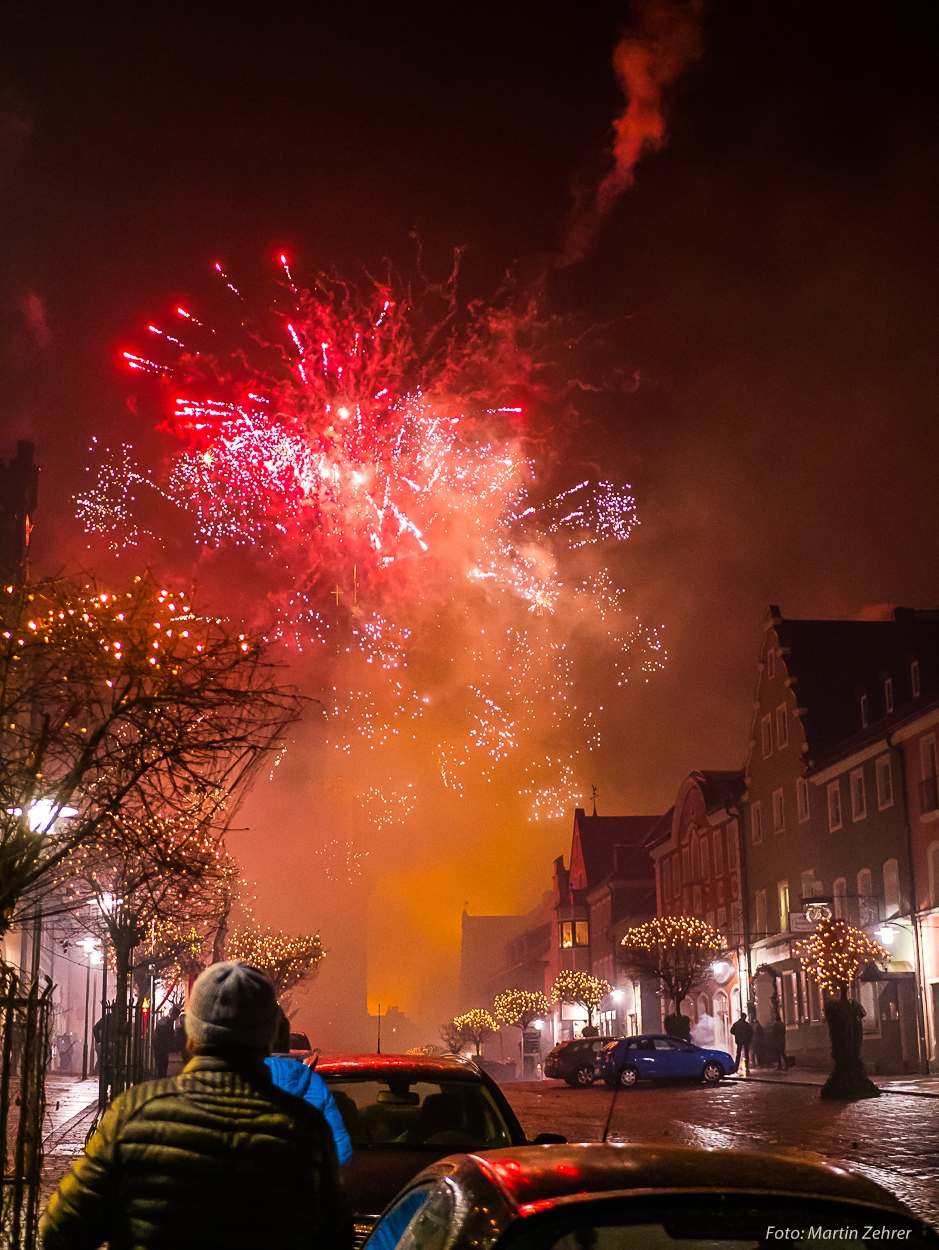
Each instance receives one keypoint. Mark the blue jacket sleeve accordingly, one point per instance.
(297, 1079)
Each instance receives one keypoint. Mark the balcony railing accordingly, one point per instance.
(929, 795)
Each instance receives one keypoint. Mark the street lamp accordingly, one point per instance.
(90, 946)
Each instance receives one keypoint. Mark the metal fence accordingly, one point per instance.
(25, 1015)
(127, 1060)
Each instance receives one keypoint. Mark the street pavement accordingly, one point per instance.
(893, 1139)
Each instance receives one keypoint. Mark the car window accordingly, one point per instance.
(388, 1232)
(402, 1113)
(716, 1222)
(665, 1043)
(645, 1043)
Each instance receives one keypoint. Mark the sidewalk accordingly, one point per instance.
(70, 1107)
(914, 1083)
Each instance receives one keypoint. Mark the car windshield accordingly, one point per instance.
(724, 1222)
(407, 1114)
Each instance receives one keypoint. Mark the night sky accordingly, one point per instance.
(768, 285)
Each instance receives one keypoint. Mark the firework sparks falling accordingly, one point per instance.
(450, 603)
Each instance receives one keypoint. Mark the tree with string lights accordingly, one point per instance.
(580, 989)
(833, 956)
(117, 709)
(289, 960)
(676, 951)
(476, 1026)
(520, 1008)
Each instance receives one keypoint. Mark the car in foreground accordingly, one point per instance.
(657, 1056)
(576, 1061)
(403, 1112)
(600, 1197)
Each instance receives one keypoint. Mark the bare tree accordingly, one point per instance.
(117, 708)
(452, 1037)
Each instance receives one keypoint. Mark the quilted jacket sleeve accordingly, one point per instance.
(81, 1213)
(318, 1095)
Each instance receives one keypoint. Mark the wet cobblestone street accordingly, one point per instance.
(893, 1139)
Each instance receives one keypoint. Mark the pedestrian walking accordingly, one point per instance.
(164, 1041)
(217, 1158)
(779, 1044)
(742, 1033)
(301, 1080)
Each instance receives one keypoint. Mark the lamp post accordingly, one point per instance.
(90, 947)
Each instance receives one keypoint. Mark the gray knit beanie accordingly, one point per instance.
(232, 1005)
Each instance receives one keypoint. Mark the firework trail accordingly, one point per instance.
(381, 463)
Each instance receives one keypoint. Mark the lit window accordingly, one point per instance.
(888, 695)
(766, 732)
(581, 933)
(779, 812)
(756, 823)
(802, 798)
(567, 936)
(771, 663)
(863, 711)
(884, 776)
(858, 796)
(783, 892)
(914, 678)
(834, 806)
(782, 727)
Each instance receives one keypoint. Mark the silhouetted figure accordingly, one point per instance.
(742, 1033)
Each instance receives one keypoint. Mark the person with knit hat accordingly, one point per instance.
(217, 1158)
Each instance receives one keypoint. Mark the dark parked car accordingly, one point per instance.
(652, 1056)
(576, 1061)
(640, 1198)
(404, 1111)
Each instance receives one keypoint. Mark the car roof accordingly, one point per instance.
(420, 1065)
(533, 1174)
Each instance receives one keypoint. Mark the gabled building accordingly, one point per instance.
(695, 850)
(826, 819)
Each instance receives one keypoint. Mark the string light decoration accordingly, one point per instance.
(475, 1026)
(835, 952)
(520, 1007)
(581, 989)
(377, 445)
(288, 961)
(675, 950)
(145, 705)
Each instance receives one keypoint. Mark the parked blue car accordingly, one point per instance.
(653, 1056)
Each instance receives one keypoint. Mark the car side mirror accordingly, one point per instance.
(549, 1139)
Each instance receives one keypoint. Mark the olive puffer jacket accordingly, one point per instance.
(215, 1157)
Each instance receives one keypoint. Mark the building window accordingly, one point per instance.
(721, 918)
(718, 854)
(858, 795)
(698, 903)
(705, 858)
(891, 889)
(929, 786)
(867, 904)
(884, 775)
(766, 736)
(888, 695)
(732, 846)
(808, 884)
(574, 933)
(733, 887)
(756, 823)
(666, 880)
(761, 929)
(720, 891)
(834, 805)
(863, 711)
(782, 727)
(771, 663)
(914, 678)
(782, 891)
(581, 933)
(695, 859)
(567, 933)
(779, 812)
(685, 865)
(932, 861)
(802, 798)
(840, 897)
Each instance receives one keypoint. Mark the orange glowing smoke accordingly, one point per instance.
(666, 41)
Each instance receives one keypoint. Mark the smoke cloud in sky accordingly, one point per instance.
(665, 41)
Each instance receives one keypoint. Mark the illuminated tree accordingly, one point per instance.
(118, 708)
(287, 960)
(581, 989)
(476, 1026)
(832, 956)
(520, 1007)
(452, 1037)
(676, 951)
